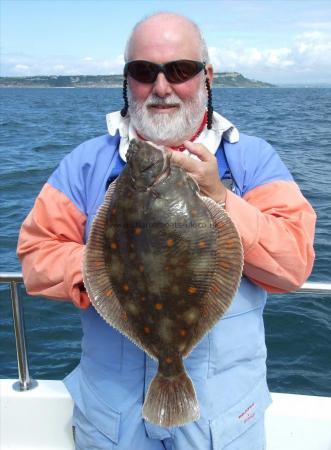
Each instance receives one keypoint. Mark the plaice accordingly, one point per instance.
(162, 265)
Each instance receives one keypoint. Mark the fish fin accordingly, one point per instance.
(96, 278)
(227, 272)
(171, 401)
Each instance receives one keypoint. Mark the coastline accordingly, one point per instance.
(221, 79)
(120, 87)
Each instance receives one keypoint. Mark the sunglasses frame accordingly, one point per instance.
(163, 68)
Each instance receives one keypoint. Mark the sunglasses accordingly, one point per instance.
(174, 71)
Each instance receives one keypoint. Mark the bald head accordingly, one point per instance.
(164, 111)
(166, 32)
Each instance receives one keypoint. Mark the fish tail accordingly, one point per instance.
(171, 400)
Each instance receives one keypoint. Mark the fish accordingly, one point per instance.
(162, 265)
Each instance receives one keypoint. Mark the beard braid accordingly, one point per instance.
(168, 128)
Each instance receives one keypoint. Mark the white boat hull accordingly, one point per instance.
(40, 419)
(299, 422)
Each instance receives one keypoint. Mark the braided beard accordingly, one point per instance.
(168, 128)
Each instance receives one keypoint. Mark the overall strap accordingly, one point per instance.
(116, 170)
(224, 169)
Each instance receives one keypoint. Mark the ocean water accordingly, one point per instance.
(40, 126)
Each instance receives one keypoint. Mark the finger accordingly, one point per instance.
(199, 150)
(185, 162)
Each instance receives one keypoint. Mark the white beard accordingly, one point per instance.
(168, 128)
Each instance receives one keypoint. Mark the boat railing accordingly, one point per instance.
(25, 382)
(13, 279)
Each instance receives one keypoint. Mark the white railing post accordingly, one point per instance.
(25, 383)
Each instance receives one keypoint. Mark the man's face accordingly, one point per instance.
(164, 112)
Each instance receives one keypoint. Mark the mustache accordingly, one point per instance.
(156, 100)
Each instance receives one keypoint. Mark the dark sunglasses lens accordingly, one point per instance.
(181, 71)
(142, 71)
(175, 71)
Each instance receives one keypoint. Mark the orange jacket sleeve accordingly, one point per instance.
(50, 247)
(276, 224)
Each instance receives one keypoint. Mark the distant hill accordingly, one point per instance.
(222, 79)
(235, 79)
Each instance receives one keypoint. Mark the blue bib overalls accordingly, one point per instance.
(227, 367)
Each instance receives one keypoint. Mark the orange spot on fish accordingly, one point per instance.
(183, 332)
(147, 330)
(125, 287)
(170, 242)
(158, 306)
(201, 244)
(192, 290)
(168, 360)
(98, 263)
(137, 231)
(109, 293)
(113, 245)
(113, 211)
(124, 316)
(194, 212)
(216, 289)
(141, 268)
(229, 244)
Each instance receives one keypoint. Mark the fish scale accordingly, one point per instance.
(162, 265)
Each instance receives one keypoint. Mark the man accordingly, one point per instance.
(165, 102)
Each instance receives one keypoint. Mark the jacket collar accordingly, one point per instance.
(221, 129)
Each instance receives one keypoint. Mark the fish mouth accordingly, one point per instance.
(165, 171)
(148, 167)
(163, 175)
(148, 172)
(166, 154)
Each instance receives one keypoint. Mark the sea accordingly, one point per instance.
(40, 126)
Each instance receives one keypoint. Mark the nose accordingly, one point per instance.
(161, 86)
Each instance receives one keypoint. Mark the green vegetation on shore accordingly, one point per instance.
(222, 79)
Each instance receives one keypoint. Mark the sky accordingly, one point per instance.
(277, 41)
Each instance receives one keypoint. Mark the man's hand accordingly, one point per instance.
(204, 170)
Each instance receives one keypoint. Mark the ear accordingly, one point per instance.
(210, 73)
